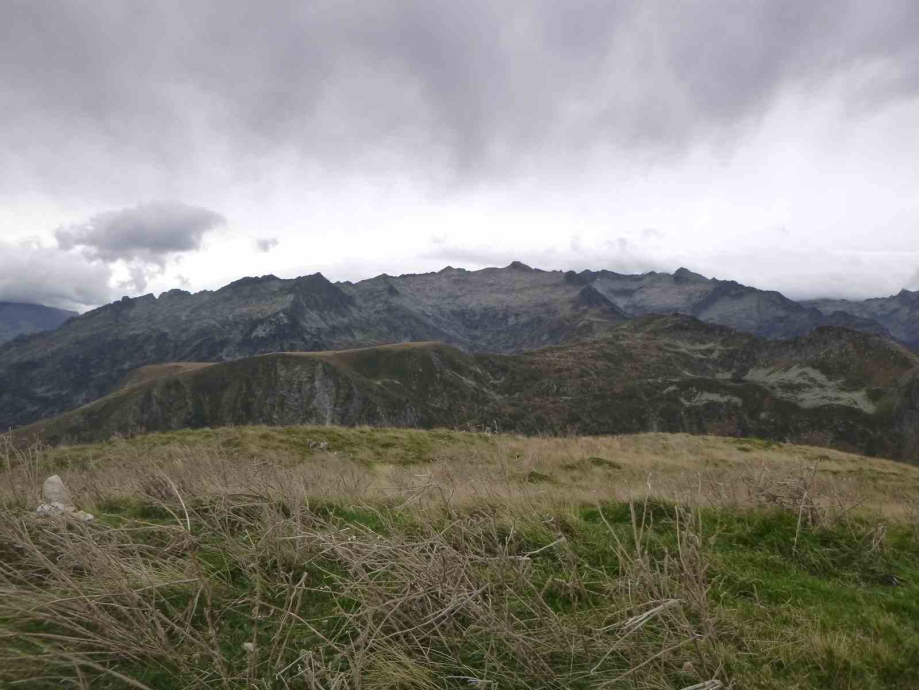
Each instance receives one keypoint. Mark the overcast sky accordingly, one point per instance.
(187, 143)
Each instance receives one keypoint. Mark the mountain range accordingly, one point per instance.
(17, 318)
(516, 317)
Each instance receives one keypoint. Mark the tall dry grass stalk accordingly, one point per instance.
(238, 591)
(468, 468)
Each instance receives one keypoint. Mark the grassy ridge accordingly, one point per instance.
(253, 557)
(669, 374)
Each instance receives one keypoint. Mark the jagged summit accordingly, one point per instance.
(687, 275)
(245, 282)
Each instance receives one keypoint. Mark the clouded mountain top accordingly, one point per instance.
(778, 141)
(17, 319)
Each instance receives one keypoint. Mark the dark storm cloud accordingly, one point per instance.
(117, 93)
(150, 233)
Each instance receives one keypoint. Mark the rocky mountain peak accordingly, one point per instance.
(248, 281)
(685, 275)
(316, 292)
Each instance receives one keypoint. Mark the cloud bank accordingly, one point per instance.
(115, 94)
(350, 131)
(46, 275)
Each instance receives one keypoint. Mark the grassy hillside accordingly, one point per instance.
(671, 374)
(330, 557)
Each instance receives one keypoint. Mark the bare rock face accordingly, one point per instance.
(57, 502)
(54, 491)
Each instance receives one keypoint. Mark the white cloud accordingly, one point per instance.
(145, 237)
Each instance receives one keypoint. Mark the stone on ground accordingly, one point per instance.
(54, 491)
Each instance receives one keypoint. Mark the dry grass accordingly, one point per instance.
(413, 466)
(241, 558)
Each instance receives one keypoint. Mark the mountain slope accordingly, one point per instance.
(511, 309)
(835, 387)
(502, 310)
(17, 318)
(898, 313)
(764, 313)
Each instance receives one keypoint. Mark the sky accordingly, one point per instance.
(187, 143)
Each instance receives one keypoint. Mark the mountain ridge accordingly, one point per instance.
(23, 318)
(660, 373)
(899, 313)
(496, 310)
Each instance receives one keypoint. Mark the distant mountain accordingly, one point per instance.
(17, 318)
(764, 313)
(834, 387)
(899, 313)
(499, 310)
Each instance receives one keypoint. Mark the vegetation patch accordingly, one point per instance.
(534, 477)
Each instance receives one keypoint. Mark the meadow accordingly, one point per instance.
(330, 557)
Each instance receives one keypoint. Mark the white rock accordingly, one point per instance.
(54, 508)
(54, 491)
(59, 509)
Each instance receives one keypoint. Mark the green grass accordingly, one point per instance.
(789, 608)
(427, 585)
